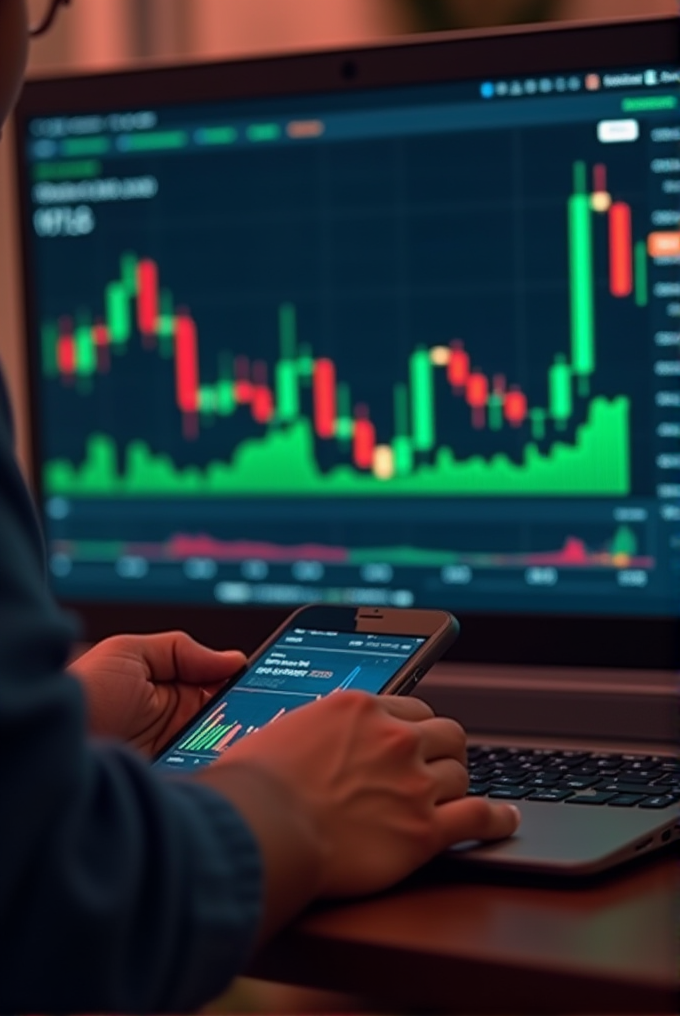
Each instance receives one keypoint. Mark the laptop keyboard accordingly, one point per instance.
(574, 777)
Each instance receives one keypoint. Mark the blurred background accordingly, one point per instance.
(106, 32)
(117, 33)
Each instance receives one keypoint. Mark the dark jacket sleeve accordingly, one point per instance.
(119, 890)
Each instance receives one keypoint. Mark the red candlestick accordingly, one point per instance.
(66, 355)
(515, 408)
(324, 398)
(363, 443)
(243, 386)
(261, 403)
(620, 250)
(186, 372)
(459, 366)
(477, 396)
(147, 299)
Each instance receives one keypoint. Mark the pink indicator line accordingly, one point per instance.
(183, 546)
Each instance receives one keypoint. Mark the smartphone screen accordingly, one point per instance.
(302, 665)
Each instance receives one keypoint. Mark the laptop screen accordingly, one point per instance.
(414, 345)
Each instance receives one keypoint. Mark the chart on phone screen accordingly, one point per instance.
(301, 666)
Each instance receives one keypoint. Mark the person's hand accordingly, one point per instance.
(352, 793)
(143, 688)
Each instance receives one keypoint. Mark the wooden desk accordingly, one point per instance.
(448, 943)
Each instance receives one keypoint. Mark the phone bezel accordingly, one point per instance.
(439, 628)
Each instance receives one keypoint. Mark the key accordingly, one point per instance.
(626, 800)
(509, 793)
(673, 778)
(659, 802)
(624, 787)
(637, 775)
(589, 798)
(542, 781)
(578, 782)
(548, 794)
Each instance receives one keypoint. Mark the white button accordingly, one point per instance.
(609, 131)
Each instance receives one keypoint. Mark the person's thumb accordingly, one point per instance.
(475, 818)
(175, 656)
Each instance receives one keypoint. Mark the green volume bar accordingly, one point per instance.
(581, 277)
(86, 356)
(283, 464)
(117, 300)
(561, 404)
(422, 400)
(287, 391)
(641, 282)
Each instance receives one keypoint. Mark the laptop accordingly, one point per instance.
(396, 325)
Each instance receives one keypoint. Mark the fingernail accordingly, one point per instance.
(517, 813)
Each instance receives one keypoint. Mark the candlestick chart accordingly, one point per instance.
(312, 433)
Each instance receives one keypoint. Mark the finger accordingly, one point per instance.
(475, 818)
(443, 738)
(451, 780)
(175, 656)
(405, 708)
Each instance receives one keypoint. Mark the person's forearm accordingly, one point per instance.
(290, 847)
(118, 891)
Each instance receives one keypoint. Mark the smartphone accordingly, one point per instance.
(318, 651)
